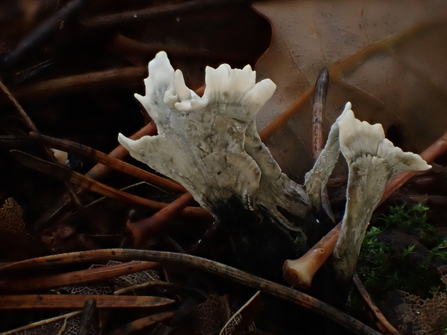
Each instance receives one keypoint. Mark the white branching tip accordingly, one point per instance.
(316, 179)
(359, 138)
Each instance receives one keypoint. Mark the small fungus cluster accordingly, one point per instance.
(211, 146)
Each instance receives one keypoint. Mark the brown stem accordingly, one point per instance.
(293, 269)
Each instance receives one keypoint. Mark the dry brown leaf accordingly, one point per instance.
(388, 58)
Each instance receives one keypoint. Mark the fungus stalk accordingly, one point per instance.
(210, 144)
(372, 161)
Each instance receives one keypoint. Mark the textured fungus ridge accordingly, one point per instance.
(210, 144)
(372, 161)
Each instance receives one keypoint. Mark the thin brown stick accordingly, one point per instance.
(73, 195)
(135, 287)
(79, 180)
(42, 31)
(143, 228)
(87, 316)
(138, 51)
(318, 107)
(81, 83)
(109, 161)
(98, 171)
(81, 277)
(152, 12)
(337, 70)
(290, 111)
(319, 104)
(203, 264)
(19, 108)
(140, 324)
(377, 313)
(41, 323)
(44, 301)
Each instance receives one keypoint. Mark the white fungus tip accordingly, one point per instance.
(263, 91)
(124, 141)
(359, 138)
(180, 88)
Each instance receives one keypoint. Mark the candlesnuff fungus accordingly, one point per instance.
(210, 145)
(372, 161)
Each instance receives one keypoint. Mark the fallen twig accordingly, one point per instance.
(79, 180)
(73, 195)
(143, 228)
(98, 171)
(38, 301)
(87, 316)
(109, 161)
(41, 323)
(140, 324)
(377, 313)
(74, 278)
(81, 82)
(152, 12)
(41, 32)
(203, 264)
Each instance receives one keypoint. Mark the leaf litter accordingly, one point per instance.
(383, 57)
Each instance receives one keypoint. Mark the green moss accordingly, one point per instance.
(384, 267)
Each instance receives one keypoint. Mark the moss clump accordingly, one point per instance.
(402, 251)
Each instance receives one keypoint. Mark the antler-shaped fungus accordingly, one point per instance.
(210, 144)
(372, 161)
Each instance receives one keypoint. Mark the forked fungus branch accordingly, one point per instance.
(211, 146)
